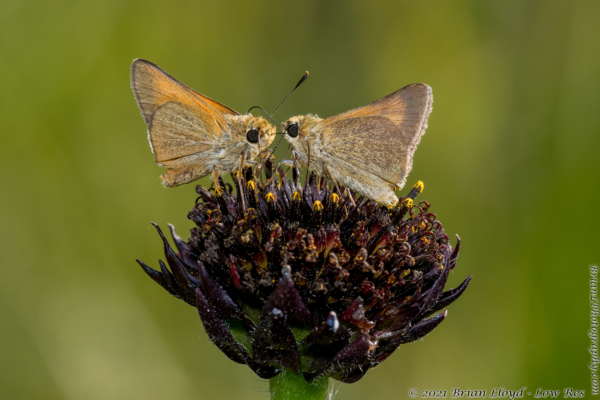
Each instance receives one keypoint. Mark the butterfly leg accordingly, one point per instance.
(239, 174)
(296, 159)
(329, 176)
(215, 177)
(287, 163)
(263, 153)
(293, 164)
(350, 196)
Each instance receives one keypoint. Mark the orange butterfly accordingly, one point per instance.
(191, 134)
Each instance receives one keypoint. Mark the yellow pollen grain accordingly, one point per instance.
(419, 186)
(317, 206)
(334, 198)
(296, 196)
(269, 197)
(250, 184)
(407, 202)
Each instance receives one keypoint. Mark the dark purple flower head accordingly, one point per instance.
(307, 278)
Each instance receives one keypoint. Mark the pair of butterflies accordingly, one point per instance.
(368, 149)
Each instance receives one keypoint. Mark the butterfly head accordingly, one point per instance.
(255, 131)
(297, 128)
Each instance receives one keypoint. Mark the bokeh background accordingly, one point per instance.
(510, 162)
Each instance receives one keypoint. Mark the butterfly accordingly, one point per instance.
(368, 149)
(191, 134)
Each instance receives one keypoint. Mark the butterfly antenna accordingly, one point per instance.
(304, 77)
(276, 144)
(267, 114)
(288, 149)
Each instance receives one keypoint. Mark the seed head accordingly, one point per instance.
(310, 278)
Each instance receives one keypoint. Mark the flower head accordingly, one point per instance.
(309, 278)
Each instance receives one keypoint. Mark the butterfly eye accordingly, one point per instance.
(252, 136)
(293, 130)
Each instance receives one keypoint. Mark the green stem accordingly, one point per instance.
(289, 386)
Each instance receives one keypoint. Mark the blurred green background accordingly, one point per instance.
(510, 162)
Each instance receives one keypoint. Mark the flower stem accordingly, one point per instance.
(289, 386)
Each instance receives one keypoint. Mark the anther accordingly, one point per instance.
(334, 198)
(317, 206)
(419, 186)
(407, 203)
(416, 189)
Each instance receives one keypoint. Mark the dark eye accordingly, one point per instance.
(252, 136)
(293, 130)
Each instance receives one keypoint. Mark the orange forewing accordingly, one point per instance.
(153, 87)
(408, 108)
(161, 98)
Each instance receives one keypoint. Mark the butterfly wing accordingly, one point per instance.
(181, 122)
(379, 139)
